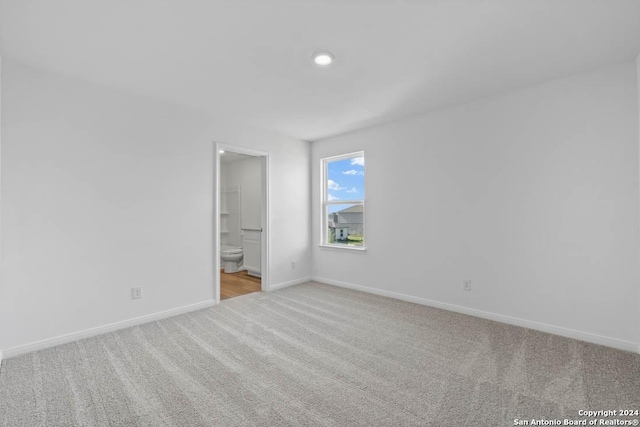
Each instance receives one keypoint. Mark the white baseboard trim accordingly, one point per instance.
(277, 286)
(556, 330)
(75, 336)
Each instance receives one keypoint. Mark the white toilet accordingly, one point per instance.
(232, 258)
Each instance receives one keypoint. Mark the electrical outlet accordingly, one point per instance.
(293, 265)
(466, 285)
(136, 293)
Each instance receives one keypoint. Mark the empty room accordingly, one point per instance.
(319, 213)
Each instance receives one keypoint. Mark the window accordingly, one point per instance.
(343, 201)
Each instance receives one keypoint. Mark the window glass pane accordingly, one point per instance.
(344, 200)
(345, 179)
(345, 224)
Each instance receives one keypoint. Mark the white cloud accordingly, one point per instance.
(331, 198)
(332, 185)
(353, 172)
(353, 190)
(357, 161)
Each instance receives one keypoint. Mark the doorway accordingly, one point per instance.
(241, 217)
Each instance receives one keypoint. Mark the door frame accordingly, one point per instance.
(265, 241)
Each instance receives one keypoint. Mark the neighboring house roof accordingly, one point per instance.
(353, 209)
(332, 224)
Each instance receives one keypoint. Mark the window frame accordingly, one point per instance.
(325, 203)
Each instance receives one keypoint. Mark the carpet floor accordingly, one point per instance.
(317, 355)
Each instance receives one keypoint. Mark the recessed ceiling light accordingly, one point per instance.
(323, 58)
(221, 151)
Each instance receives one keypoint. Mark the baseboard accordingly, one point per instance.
(556, 330)
(75, 336)
(277, 286)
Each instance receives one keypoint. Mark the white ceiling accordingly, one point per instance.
(250, 60)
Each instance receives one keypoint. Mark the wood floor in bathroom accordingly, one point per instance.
(236, 284)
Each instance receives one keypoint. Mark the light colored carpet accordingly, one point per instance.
(312, 355)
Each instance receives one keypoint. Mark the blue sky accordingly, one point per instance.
(345, 181)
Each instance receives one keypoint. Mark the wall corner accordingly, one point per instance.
(638, 112)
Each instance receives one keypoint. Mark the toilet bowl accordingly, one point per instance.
(232, 258)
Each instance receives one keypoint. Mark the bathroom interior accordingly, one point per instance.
(240, 224)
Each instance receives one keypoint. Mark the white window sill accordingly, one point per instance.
(361, 249)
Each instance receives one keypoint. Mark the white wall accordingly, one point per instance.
(638, 80)
(2, 296)
(103, 191)
(246, 173)
(533, 195)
